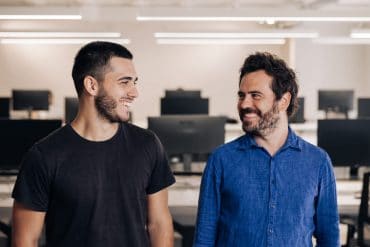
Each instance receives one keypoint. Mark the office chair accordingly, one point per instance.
(363, 220)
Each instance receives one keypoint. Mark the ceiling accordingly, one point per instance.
(315, 4)
(112, 15)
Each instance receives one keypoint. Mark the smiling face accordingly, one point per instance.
(117, 90)
(257, 106)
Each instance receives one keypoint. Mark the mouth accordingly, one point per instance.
(249, 116)
(126, 104)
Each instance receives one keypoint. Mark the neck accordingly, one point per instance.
(276, 138)
(91, 126)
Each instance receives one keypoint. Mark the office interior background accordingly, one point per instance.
(188, 44)
(324, 55)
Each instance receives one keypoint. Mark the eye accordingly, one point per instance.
(241, 95)
(256, 96)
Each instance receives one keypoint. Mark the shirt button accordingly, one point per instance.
(270, 230)
(272, 205)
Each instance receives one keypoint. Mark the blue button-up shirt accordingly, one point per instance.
(250, 198)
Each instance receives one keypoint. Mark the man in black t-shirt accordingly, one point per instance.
(98, 181)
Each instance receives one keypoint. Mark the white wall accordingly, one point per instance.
(213, 69)
(330, 67)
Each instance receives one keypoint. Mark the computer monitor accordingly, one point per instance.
(298, 117)
(30, 100)
(336, 100)
(363, 107)
(70, 108)
(4, 107)
(346, 141)
(17, 136)
(181, 93)
(173, 106)
(187, 135)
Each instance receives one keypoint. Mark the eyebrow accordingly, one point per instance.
(250, 92)
(128, 78)
(255, 91)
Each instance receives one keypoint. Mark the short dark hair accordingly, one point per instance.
(284, 78)
(93, 60)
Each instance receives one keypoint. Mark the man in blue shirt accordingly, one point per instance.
(268, 187)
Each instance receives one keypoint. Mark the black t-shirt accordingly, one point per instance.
(94, 193)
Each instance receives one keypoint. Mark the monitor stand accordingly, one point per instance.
(353, 172)
(187, 159)
(29, 111)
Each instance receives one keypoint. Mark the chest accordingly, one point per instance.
(88, 175)
(261, 177)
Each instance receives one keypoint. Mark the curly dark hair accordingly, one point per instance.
(284, 78)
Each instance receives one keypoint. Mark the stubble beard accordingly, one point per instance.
(265, 125)
(105, 106)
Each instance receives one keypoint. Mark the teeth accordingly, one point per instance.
(127, 104)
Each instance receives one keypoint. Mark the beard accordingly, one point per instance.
(266, 123)
(106, 105)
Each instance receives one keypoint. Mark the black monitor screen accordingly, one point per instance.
(4, 107)
(336, 100)
(346, 141)
(363, 107)
(17, 136)
(30, 99)
(189, 134)
(70, 108)
(298, 117)
(180, 93)
(184, 106)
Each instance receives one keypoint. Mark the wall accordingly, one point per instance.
(213, 69)
(330, 67)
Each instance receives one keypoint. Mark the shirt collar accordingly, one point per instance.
(247, 141)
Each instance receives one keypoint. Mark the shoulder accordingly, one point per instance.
(230, 147)
(137, 132)
(54, 140)
(312, 150)
(139, 137)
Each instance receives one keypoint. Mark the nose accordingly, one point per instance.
(133, 92)
(245, 102)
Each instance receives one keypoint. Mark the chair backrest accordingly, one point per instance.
(363, 217)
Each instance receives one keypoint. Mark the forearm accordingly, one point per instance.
(17, 241)
(161, 234)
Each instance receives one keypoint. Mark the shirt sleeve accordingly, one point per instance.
(208, 206)
(162, 175)
(326, 217)
(32, 185)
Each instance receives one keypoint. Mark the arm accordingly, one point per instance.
(326, 217)
(159, 220)
(208, 207)
(27, 226)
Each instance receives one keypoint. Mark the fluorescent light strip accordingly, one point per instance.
(238, 35)
(59, 41)
(40, 17)
(58, 35)
(220, 41)
(360, 34)
(341, 41)
(257, 19)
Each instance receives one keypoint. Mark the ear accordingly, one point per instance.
(91, 85)
(284, 102)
